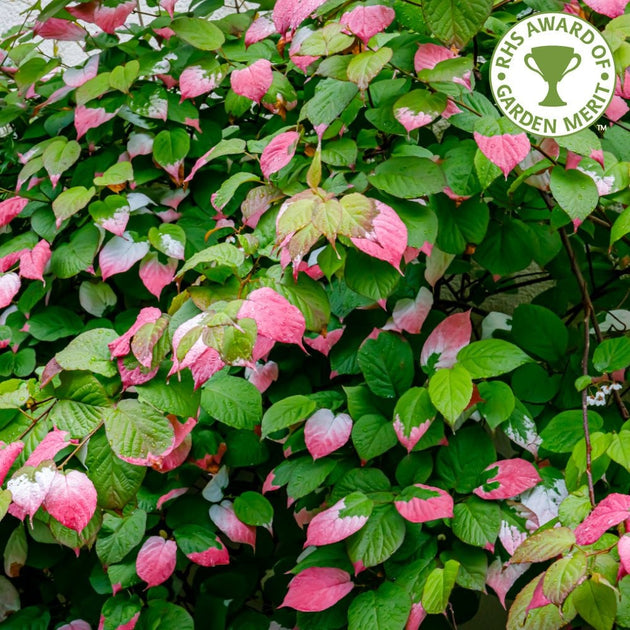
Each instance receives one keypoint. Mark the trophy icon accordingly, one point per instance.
(552, 63)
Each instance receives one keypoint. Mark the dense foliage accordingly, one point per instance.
(252, 374)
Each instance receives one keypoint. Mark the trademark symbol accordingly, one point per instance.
(601, 128)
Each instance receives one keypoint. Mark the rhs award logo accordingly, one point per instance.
(552, 74)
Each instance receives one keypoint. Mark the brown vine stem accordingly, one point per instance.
(587, 435)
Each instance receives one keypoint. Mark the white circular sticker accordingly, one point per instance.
(552, 74)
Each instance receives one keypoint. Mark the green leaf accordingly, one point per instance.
(342, 152)
(460, 225)
(379, 538)
(477, 522)
(326, 41)
(55, 323)
(178, 396)
(498, 402)
(215, 255)
(453, 22)
(70, 258)
(438, 587)
(162, 615)
(308, 475)
(373, 435)
(620, 227)
(368, 276)
(122, 77)
(596, 603)
(619, 449)
(119, 536)
(366, 66)
(58, 157)
(565, 430)
(96, 297)
(563, 576)
(450, 390)
(540, 331)
(387, 364)
(544, 545)
(575, 192)
(116, 481)
(198, 33)
(89, 351)
(408, 177)
(170, 147)
(612, 354)
(286, 412)
(330, 99)
(70, 201)
(233, 401)
(491, 357)
(194, 538)
(119, 173)
(229, 187)
(253, 509)
(507, 247)
(383, 609)
(136, 431)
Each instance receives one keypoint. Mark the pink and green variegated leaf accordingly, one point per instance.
(419, 108)
(417, 615)
(211, 557)
(156, 275)
(8, 454)
(76, 624)
(60, 30)
(258, 30)
(107, 18)
(317, 588)
(86, 118)
(429, 55)
(71, 499)
(75, 77)
(324, 343)
(288, 14)
(278, 153)
(120, 254)
(505, 150)
(10, 208)
(501, 577)
(199, 79)
(388, 239)
(610, 8)
(122, 346)
(409, 315)
(178, 453)
(261, 376)
(33, 262)
(52, 443)
(341, 520)
(276, 318)
(413, 415)
(365, 22)
(156, 560)
(9, 286)
(509, 477)
(446, 340)
(224, 517)
(623, 548)
(610, 511)
(421, 503)
(29, 489)
(254, 81)
(325, 432)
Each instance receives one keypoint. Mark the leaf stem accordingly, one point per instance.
(80, 444)
(587, 435)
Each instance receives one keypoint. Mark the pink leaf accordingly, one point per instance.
(258, 30)
(122, 346)
(170, 495)
(410, 437)
(289, 14)
(127, 625)
(139, 144)
(105, 17)
(538, 597)
(86, 118)
(8, 454)
(623, 547)
(446, 340)
(411, 120)
(120, 254)
(211, 557)
(409, 315)
(331, 525)
(513, 476)
(324, 343)
(501, 577)
(388, 239)
(426, 504)
(317, 588)
(276, 318)
(610, 8)
(10, 208)
(325, 432)
(28, 491)
(225, 519)
(9, 286)
(609, 512)
(75, 77)
(262, 375)
(156, 275)
(617, 109)
(33, 262)
(428, 56)
(278, 153)
(71, 499)
(365, 22)
(417, 615)
(175, 456)
(168, 6)
(156, 560)
(253, 81)
(62, 30)
(52, 443)
(511, 537)
(301, 61)
(505, 150)
(257, 202)
(195, 81)
(77, 624)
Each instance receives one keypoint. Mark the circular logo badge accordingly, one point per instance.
(552, 74)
